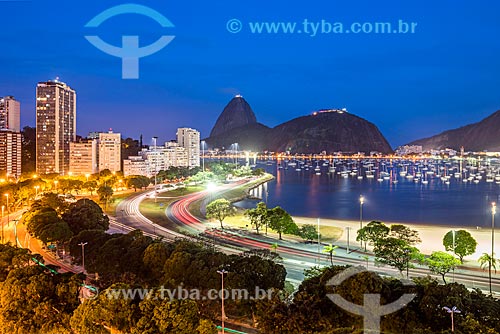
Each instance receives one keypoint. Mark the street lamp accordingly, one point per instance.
(83, 254)
(236, 148)
(55, 184)
(451, 311)
(347, 229)
(454, 252)
(7, 207)
(203, 154)
(493, 212)
(87, 176)
(319, 243)
(223, 315)
(361, 202)
(3, 208)
(36, 191)
(156, 162)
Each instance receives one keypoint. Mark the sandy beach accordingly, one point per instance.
(431, 235)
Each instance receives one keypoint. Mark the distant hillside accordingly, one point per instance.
(323, 131)
(484, 135)
(329, 132)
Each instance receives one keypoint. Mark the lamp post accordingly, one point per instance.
(55, 184)
(347, 229)
(83, 254)
(319, 243)
(493, 212)
(156, 162)
(203, 154)
(3, 208)
(223, 315)
(361, 202)
(451, 311)
(453, 275)
(87, 177)
(36, 192)
(7, 207)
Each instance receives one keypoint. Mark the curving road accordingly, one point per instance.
(296, 257)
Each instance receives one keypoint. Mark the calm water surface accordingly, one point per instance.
(331, 196)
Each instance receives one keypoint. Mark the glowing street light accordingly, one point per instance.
(83, 254)
(361, 202)
(203, 143)
(223, 315)
(211, 187)
(87, 177)
(55, 184)
(348, 230)
(3, 209)
(36, 191)
(156, 162)
(8, 218)
(493, 212)
(451, 311)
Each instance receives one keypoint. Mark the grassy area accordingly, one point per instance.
(232, 195)
(156, 211)
(329, 234)
(117, 199)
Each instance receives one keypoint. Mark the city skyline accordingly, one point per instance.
(410, 85)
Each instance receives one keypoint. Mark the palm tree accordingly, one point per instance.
(331, 251)
(488, 260)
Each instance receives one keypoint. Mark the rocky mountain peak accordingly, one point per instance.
(236, 114)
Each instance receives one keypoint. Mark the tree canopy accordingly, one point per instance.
(85, 214)
(462, 244)
(220, 209)
(281, 222)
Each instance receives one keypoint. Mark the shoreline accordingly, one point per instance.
(431, 235)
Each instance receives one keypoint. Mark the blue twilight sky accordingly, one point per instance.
(445, 75)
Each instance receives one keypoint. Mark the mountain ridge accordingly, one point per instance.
(479, 136)
(330, 130)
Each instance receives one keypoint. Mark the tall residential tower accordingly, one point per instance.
(10, 137)
(55, 126)
(110, 151)
(10, 111)
(190, 140)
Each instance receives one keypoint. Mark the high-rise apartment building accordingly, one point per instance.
(136, 165)
(190, 140)
(55, 126)
(83, 157)
(110, 151)
(10, 154)
(10, 111)
(10, 137)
